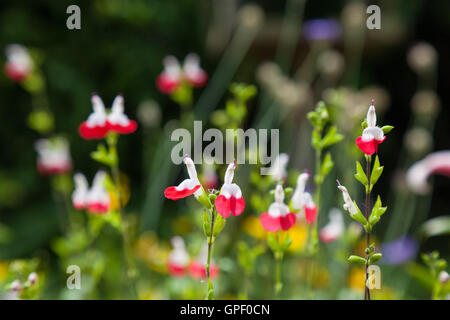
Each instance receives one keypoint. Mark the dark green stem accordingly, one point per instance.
(367, 213)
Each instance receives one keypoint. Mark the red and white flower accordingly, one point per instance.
(19, 64)
(117, 121)
(188, 186)
(53, 156)
(178, 260)
(349, 205)
(302, 201)
(434, 163)
(96, 200)
(230, 200)
(209, 176)
(197, 268)
(99, 124)
(174, 75)
(278, 216)
(372, 136)
(333, 229)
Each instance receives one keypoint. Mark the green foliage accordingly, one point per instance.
(360, 175)
(357, 260)
(377, 212)
(104, 156)
(247, 256)
(387, 129)
(377, 170)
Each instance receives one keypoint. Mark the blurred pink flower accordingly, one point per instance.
(19, 64)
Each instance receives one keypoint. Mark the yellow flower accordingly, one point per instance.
(357, 278)
(252, 226)
(298, 235)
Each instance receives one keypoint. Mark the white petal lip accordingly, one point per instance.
(370, 133)
(229, 174)
(348, 203)
(231, 190)
(117, 115)
(187, 184)
(418, 173)
(192, 172)
(278, 210)
(297, 198)
(98, 116)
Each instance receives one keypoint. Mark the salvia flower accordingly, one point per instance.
(400, 250)
(99, 123)
(321, 30)
(96, 199)
(53, 156)
(32, 278)
(349, 205)
(16, 286)
(19, 64)
(435, 163)
(188, 186)
(178, 260)
(230, 199)
(174, 75)
(278, 216)
(197, 267)
(302, 201)
(444, 277)
(334, 228)
(372, 136)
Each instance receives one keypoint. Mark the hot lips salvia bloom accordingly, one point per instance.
(188, 186)
(302, 201)
(19, 64)
(178, 261)
(174, 75)
(371, 136)
(333, 229)
(278, 216)
(230, 199)
(96, 199)
(99, 123)
(53, 156)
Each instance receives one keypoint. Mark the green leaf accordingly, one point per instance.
(375, 257)
(315, 140)
(360, 175)
(376, 173)
(387, 129)
(327, 165)
(332, 137)
(357, 260)
(288, 191)
(364, 124)
(358, 216)
(377, 212)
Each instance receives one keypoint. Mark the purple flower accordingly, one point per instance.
(399, 251)
(321, 29)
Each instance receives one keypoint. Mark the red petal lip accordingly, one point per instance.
(368, 147)
(232, 205)
(198, 270)
(272, 224)
(89, 133)
(130, 128)
(323, 235)
(98, 208)
(199, 80)
(310, 214)
(165, 84)
(14, 74)
(53, 170)
(173, 194)
(176, 270)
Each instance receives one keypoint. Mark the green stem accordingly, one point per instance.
(367, 212)
(127, 248)
(210, 288)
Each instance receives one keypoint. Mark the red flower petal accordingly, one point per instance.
(326, 237)
(166, 84)
(310, 214)
(199, 80)
(377, 142)
(14, 74)
(176, 270)
(89, 133)
(98, 208)
(46, 170)
(368, 147)
(173, 194)
(269, 223)
(287, 221)
(130, 128)
(232, 205)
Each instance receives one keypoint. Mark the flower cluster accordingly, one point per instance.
(99, 123)
(174, 75)
(95, 199)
